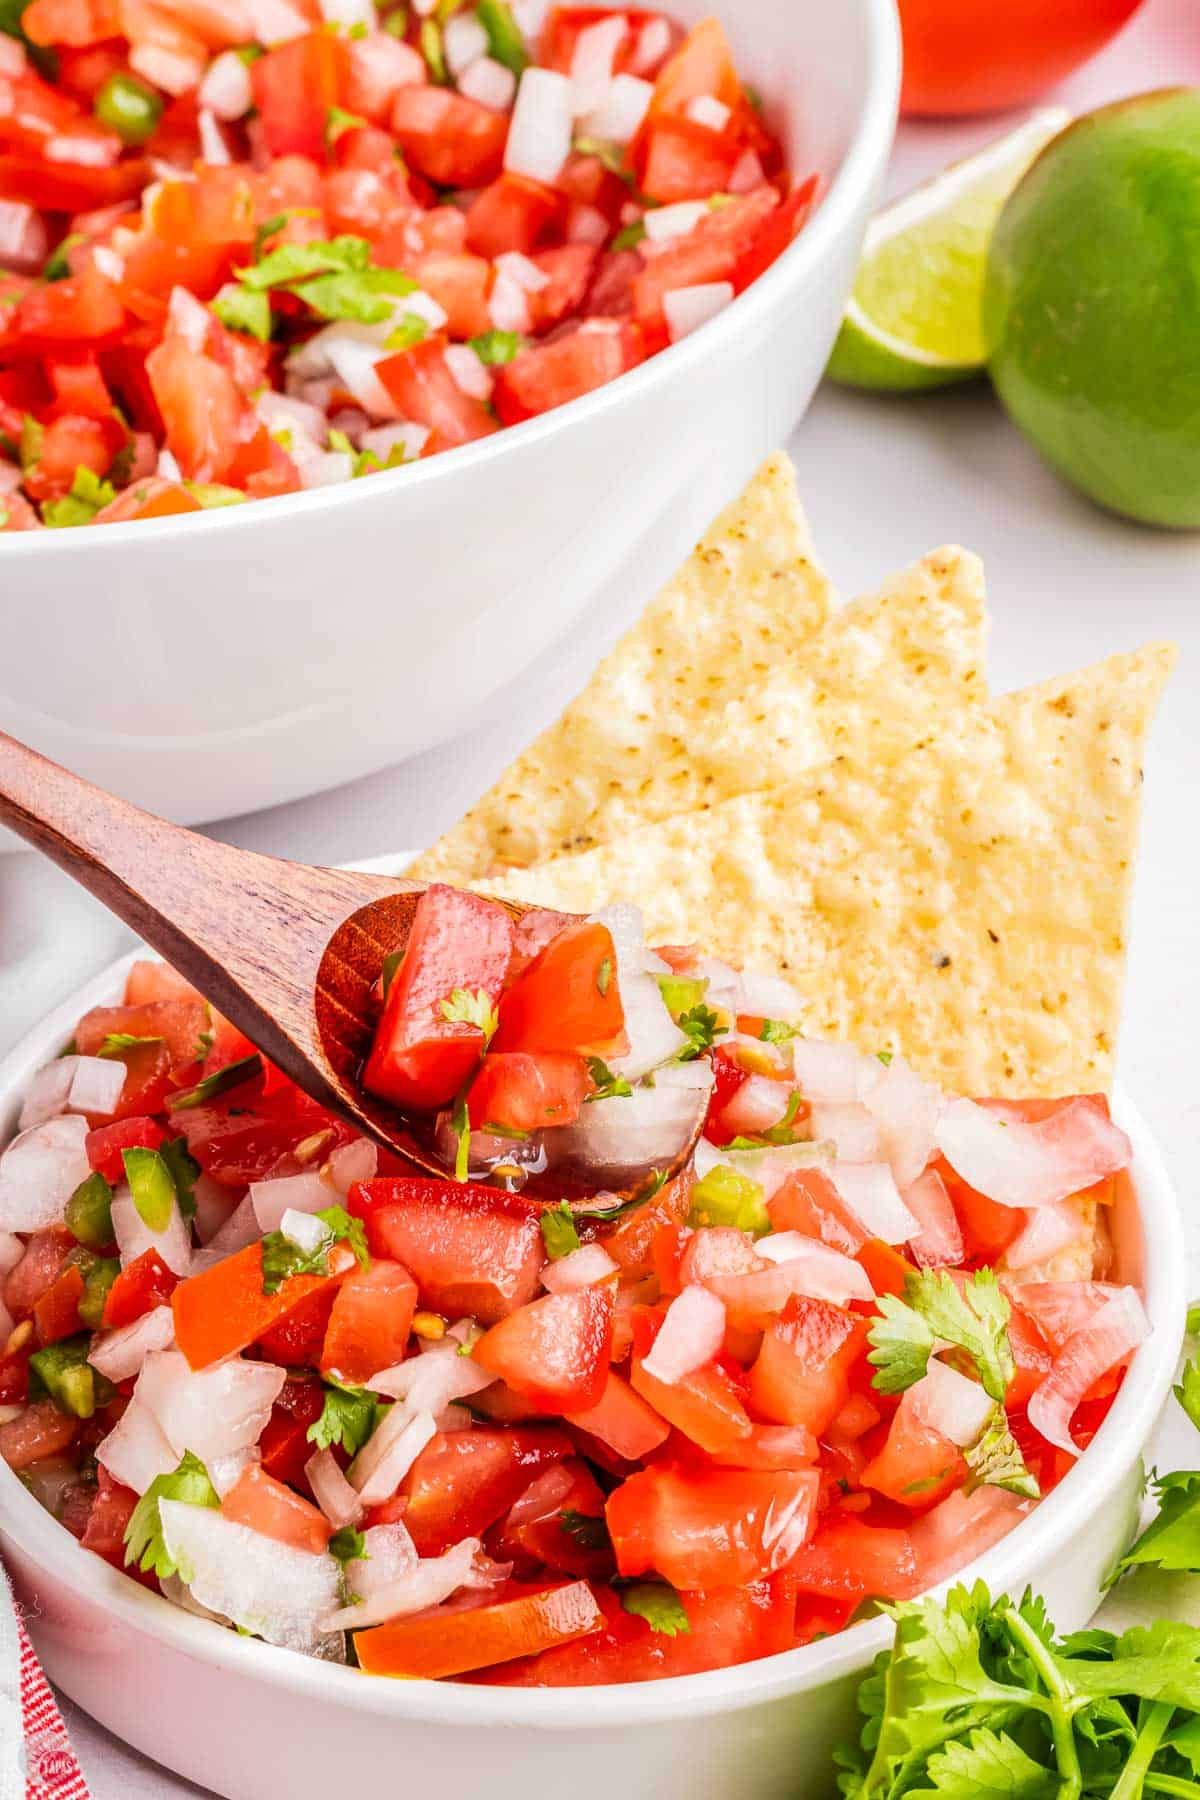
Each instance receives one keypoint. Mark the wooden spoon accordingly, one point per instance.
(289, 953)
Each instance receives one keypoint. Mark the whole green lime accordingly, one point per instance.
(1092, 306)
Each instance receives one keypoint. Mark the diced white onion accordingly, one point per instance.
(424, 306)
(906, 1110)
(653, 1035)
(592, 62)
(39, 1172)
(46, 1095)
(354, 1162)
(430, 1382)
(271, 1589)
(654, 40)
(215, 1204)
(382, 439)
(188, 318)
(619, 113)
(24, 240)
(539, 132)
(328, 469)
(687, 308)
(226, 1471)
(167, 69)
(489, 83)
(469, 372)
(757, 1105)
(167, 466)
(120, 1354)
(226, 90)
(1018, 1164)
(389, 1453)
(12, 1249)
(305, 1192)
(706, 109)
(523, 271)
(108, 262)
(96, 1084)
(869, 1190)
(275, 22)
(212, 1412)
(282, 412)
(578, 1269)
(664, 222)
(938, 1244)
(134, 1237)
(826, 1073)
(304, 1230)
(240, 1229)
(643, 1130)
(135, 1452)
(433, 1580)
(213, 148)
(349, 13)
(768, 996)
(463, 39)
(952, 1404)
(815, 1269)
(508, 305)
(691, 1334)
(339, 1502)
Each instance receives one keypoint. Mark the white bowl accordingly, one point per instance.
(212, 665)
(251, 1721)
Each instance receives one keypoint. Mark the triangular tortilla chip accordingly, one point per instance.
(965, 904)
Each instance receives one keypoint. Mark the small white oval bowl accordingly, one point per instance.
(248, 1720)
(219, 663)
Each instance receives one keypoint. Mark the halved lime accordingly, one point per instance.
(915, 318)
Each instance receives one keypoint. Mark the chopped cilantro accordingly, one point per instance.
(659, 1605)
(558, 1231)
(607, 1085)
(143, 1535)
(338, 121)
(495, 348)
(505, 43)
(412, 329)
(629, 236)
(244, 309)
(88, 494)
(218, 1083)
(465, 1008)
(775, 1031)
(348, 1545)
(57, 266)
(429, 40)
(702, 1027)
(348, 1418)
(973, 1319)
(214, 493)
(281, 1259)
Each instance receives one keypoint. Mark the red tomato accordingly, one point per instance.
(105, 1144)
(622, 1421)
(150, 981)
(775, 234)
(887, 1270)
(79, 388)
(702, 65)
(179, 1024)
(284, 1444)
(728, 1078)
(451, 1643)
(567, 998)
(569, 270)
(512, 213)
(802, 1374)
(470, 1250)
(457, 942)
(965, 56)
(555, 1351)
(546, 1541)
(704, 1405)
(715, 1528)
(548, 375)
(297, 1340)
(452, 140)
(264, 1504)
(73, 22)
(224, 1309)
(459, 282)
(69, 187)
(850, 1560)
(138, 1289)
(420, 382)
(294, 87)
(56, 1313)
(370, 1322)
(988, 1228)
(711, 251)
(38, 1269)
(240, 1136)
(111, 1510)
(808, 1202)
(84, 309)
(563, 24)
(916, 1466)
(527, 1093)
(40, 1430)
(463, 1481)
(682, 160)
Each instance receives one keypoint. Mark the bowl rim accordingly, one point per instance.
(1031, 1544)
(864, 159)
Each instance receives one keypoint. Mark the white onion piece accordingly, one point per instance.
(523, 270)
(46, 1095)
(271, 1589)
(1017, 1164)
(951, 1403)
(826, 1073)
(654, 40)
(433, 1580)
(1060, 1308)
(134, 1237)
(539, 131)
(725, 984)
(620, 112)
(283, 412)
(592, 63)
(212, 1412)
(430, 1382)
(135, 1452)
(543, 1496)
(578, 1269)
(169, 70)
(770, 1166)
(643, 1130)
(24, 240)
(768, 996)
(306, 1193)
(508, 307)
(757, 1105)
(939, 1242)
(869, 1190)
(226, 1471)
(653, 1034)
(79, 1084)
(214, 149)
(240, 1229)
(489, 83)
(747, 173)
(815, 1269)
(226, 90)
(697, 1076)
(706, 109)
(691, 1334)
(188, 317)
(389, 1453)
(663, 222)
(349, 13)
(1092, 1351)
(40, 1171)
(120, 1354)
(275, 22)
(469, 372)
(167, 466)
(351, 1163)
(424, 306)
(906, 1110)
(1046, 1231)
(687, 308)
(463, 39)
(304, 1230)
(382, 440)
(215, 1204)
(12, 1249)
(339, 1502)
(851, 1128)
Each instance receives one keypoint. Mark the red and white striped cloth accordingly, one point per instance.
(36, 1758)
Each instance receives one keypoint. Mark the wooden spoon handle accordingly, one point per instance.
(248, 930)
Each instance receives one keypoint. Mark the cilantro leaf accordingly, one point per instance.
(775, 1031)
(114, 1042)
(1187, 1390)
(143, 1535)
(495, 348)
(608, 1086)
(659, 1605)
(277, 221)
(241, 308)
(610, 156)
(338, 122)
(505, 42)
(1172, 1539)
(87, 496)
(364, 295)
(974, 1319)
(219, 1082)
(589, 1530)
(348, 1545)
(296, 262)
(702, 1028)
(281, 1259)
(412, 329)
(465, 1008)
(629, 236)
(348, 1417)
(988, 1765)
(558, 1231)
(995, 1460)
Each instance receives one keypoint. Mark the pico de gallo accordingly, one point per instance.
(454, 1427)
(249, 247)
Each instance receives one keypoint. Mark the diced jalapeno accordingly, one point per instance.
(88, 1216)
(128, 107)
(67, 1376)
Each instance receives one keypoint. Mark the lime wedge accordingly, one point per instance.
(915, 318)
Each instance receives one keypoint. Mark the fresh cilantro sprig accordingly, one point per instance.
(281, 1258)
(143, 1534)
(995, 1460)
(607, 1086)
(334, 277)
(348, 1417)
(974, 1319)
(702, 1027)
(657, 1603)
(115, 1043)
(777, 1031)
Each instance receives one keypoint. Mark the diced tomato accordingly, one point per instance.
(630, 1243)
(79, 388)
(772, 1447)
(569, 269)
(111, 1510)
(775, 234)
(916, 1466)
(420, 382)
(682, 160)
(887, 1270)
(707, 253)
(512, 213)
(370, 1322)
(548, 375)
(728, 1077)
(70, 22)
(38, 1269)
(449, 1643)
(284, 1445)
(851, 1560)
(563, 25)
(84, 309)
(704, 1405)
(56, 1313)
(702, 65)
(988, 1227)
(40, 1430)
(555, 1351)
(14, 1376)
(70, 444)
(224, 1309)
(138, 1289)
(297, 1340)
(519, 1092)
(808, 1202)
(241, 1136)
(179, 1024)
(458, 942)
(1032, 1357)
(459, 282)
(567, 999)
(264, 1504)
(204, 416)
(463, 1481)
(550, 1541)
(452, 140)
(295, 84)
(802, 1373)
(622, 1420)
(712, 1529)
(471, 1250)
(105, 1145)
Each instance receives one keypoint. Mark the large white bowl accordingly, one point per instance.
(212, 665)
(251, 1721)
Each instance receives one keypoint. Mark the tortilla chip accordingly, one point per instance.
(750, 595)
(965, 904)
(709, 697)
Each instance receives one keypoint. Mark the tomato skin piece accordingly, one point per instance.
(266, 1505)
(38, 1269)
(713, 1528)
(294, 87)
(369, 1325)
(915, 1466)
(544, 376)
(527, 1093)
(512, 213)
(802, 1373)
(463, 1481)
(223, 1310)
(622, 1420)
(470, 1250)
(40, 1430)
(419, 1058)
(104, 1145)
(450, 139)
(452, 1643)
(554, 1351)
(56, 1313)
(567, 999)
(704, 1405)
(138, 1289)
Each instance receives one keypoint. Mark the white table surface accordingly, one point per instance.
(883, 481)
